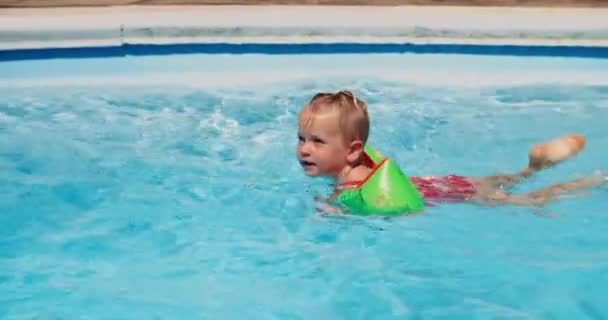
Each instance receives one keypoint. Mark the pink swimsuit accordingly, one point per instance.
(449, 188)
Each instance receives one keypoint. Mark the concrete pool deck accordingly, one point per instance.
(65, 27)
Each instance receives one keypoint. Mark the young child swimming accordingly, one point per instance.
(332, 137)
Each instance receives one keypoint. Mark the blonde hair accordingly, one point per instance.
(352, 113)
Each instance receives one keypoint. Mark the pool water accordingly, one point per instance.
(167, 188)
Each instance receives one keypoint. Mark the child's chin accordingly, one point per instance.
(312, 172)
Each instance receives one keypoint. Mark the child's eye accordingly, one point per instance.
(300, 138)
(318, 140)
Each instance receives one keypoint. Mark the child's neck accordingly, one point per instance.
(357, 172)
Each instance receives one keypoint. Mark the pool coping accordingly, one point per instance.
(81, 27)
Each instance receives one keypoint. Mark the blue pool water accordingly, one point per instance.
(167, 188)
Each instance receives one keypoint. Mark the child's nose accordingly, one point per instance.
(305, 149)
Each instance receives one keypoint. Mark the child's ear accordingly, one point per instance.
(355, 151)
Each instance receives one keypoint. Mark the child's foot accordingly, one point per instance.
(549, 153)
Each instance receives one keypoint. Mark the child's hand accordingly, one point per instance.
(323, 208)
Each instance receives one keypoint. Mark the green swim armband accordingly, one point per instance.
(386, 191)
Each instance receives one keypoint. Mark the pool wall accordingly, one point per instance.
(119, 27)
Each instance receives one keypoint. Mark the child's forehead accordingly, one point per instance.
(327, 121)
(309, 117)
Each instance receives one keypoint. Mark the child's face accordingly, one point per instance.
(321, 148)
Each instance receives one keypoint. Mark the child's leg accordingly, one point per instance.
(546, 195)
(541, 156)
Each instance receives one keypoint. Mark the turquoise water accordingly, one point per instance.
(167, 188)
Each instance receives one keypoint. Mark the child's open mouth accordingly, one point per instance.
(305, 163)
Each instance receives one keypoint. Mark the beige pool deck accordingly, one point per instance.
(52, 27)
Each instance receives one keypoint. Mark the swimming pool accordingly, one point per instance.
(166, 187)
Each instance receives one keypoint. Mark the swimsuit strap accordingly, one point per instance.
(351, 184)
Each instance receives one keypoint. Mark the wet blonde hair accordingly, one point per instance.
(352, 113)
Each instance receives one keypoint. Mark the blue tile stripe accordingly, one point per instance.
(298, 48)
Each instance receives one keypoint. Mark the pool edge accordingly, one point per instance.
(44, 28)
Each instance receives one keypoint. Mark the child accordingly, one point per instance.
(333, 131)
